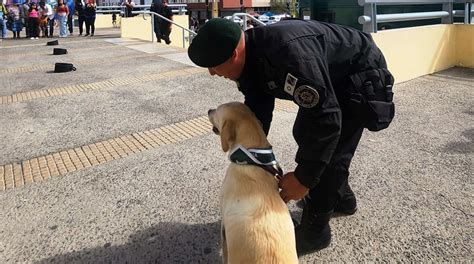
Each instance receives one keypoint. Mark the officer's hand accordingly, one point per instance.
(291, 188)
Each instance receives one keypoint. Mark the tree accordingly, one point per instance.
(278, 6)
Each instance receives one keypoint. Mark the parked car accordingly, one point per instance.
(277, 18)
(265, 19)
(237, 20)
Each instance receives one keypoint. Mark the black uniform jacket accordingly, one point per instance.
(307, 62)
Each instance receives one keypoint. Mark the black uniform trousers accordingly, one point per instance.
(334, 180)
(334, 183)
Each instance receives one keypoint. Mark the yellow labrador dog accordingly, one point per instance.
(256, 224)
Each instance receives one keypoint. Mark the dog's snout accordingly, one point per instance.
(210, 114)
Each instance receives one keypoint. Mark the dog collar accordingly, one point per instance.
(263, 158)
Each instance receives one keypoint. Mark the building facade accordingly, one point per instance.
(202, 9)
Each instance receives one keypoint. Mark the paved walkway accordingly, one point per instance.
(115, 162)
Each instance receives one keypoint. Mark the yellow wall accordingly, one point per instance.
(137, 27)
(105, 21)
(410, 52)
(413, 52)
(416, 51)
(465, 45)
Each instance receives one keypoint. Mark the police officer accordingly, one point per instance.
(338, 78)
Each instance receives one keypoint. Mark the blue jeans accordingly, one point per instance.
(62, 21)
(3, 23)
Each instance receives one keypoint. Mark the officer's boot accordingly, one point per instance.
(313, 233)
(347, 203)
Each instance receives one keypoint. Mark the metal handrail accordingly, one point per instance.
(404, 17)
(121, 8)
(411, 16)
(166, 19)
(370, 18)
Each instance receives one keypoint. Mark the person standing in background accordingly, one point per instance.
(51, 19)
(193, 24)
(129, 5)
(43, 19)
(33, 21)
(3, 19)
(114, 20)
(62, 12)
(25, 8)
(70, 17)
(46, 14)
(89, 13)
(79, 8)
(14, 16)
(162, 27)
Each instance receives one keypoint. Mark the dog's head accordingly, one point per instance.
(237, 125)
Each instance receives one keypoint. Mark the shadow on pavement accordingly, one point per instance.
(165, 242)
(462, 147)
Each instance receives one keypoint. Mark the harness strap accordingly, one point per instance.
(263, 158)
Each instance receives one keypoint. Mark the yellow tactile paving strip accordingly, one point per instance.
(76, 63)
(31, 95)
(60, 163)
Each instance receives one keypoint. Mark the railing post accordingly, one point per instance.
(244, 26)
(448, 7)
(152, 28)
(467, 12)
(184, 40)
(370, 10)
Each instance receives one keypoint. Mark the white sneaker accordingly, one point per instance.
(32, 38)
(36, 38)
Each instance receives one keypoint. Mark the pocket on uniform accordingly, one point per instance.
(381, 114)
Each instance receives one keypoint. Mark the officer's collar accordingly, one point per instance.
(262, 157)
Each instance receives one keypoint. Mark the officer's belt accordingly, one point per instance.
(264, 158)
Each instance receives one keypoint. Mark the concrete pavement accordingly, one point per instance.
(159, 204)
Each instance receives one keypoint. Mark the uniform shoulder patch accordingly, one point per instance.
(290, 84)
(306, 96)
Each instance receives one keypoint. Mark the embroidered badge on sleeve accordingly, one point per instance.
(306, 96)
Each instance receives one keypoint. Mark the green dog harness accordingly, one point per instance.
(263, 158)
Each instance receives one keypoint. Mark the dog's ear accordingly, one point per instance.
(227, 135)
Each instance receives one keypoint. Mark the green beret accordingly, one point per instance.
(215, 42)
